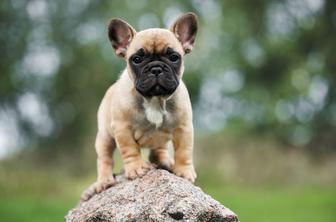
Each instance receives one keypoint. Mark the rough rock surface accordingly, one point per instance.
(157, 196)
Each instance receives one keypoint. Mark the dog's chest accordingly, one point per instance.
(155, 114)
(154, 126)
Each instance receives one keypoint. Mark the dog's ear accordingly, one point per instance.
(120, 34)
(185, 29)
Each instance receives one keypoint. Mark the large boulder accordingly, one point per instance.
(157, 196)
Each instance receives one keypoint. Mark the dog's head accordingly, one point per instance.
(154, 56)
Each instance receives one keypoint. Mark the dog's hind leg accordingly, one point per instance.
(105, 146)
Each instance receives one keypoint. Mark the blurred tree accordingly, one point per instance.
(259, 66)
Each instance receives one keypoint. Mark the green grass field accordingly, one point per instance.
(259, 184)
(252, 205)
(26, 209)
(273, 205)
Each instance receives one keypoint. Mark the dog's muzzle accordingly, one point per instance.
(157, 79)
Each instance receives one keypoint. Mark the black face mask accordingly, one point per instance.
(156, 74)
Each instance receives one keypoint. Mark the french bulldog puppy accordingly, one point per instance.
(149, 105)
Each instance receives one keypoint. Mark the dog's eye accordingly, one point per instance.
(174, 58)
(137, 59)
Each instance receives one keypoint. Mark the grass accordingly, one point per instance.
(313, 204)
(257, 180)
(28, 209)
(252, 205)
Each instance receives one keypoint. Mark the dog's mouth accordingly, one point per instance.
(157, 80)
(155, 87)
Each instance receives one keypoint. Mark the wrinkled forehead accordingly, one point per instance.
(154, 41)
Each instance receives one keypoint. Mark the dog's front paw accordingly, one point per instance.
(137, 169)
(185, 171)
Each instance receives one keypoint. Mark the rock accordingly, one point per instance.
(157, 196)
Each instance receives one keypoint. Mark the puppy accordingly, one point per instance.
(149, 105)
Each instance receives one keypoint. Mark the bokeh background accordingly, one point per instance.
(262, 82)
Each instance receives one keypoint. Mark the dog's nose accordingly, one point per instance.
(156, 70)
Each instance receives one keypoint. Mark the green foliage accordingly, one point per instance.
(258, 66)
